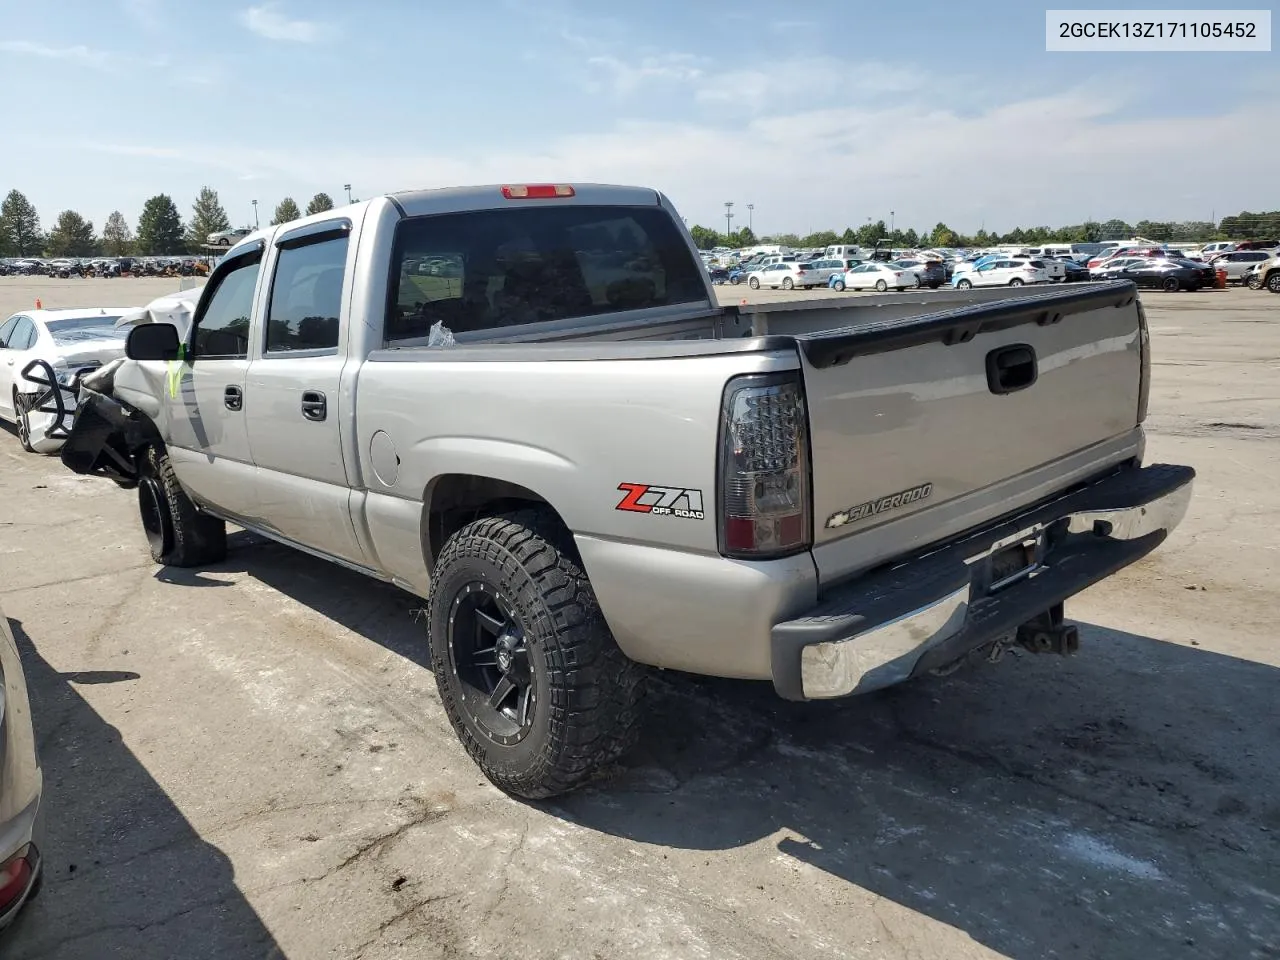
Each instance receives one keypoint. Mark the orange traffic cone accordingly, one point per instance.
(39, 305)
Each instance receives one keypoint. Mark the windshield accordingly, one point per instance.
(84, 328)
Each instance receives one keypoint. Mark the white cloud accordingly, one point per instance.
(267, 21)
(77, 54)
(626, 76)
(1017, 163)
(146, 13)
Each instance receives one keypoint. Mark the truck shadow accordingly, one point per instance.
(125, 872)
(1120, 803)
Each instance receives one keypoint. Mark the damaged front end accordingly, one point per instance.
(106, 434)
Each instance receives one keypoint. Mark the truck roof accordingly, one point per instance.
(489, 196)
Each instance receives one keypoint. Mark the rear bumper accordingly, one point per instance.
(884, 627)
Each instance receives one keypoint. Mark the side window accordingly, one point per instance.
(306, 296)
(222, 331)
(7, 330)
(24, 335)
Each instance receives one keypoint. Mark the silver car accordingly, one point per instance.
(21, 786)
(1239, 262)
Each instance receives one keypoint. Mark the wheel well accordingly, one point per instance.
(455, 499)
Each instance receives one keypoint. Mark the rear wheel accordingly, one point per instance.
(735, 280)
(1273, 281)
(838, 286)
(1169, 284)
(529, 675)
(754, 283)
(786, 283)
(178, 534)
(917, 284)
(1015, 282)
(881, 286)
(963, 284)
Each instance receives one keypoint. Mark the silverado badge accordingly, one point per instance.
(873, 507)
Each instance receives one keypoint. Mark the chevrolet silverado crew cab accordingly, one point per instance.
(524, 404)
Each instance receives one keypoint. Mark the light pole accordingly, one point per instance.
(751, 219)
(728, 216)
(255, 214)
(347, 187)
(891, 221)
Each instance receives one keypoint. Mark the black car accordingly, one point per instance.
(1075, 271)
(932, 273)
(1167, 275)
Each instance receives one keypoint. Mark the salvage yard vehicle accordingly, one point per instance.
(69, 344)
(586, 466)
(21, 787)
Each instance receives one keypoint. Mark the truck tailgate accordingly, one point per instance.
(913, 417)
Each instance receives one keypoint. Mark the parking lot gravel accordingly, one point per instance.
(250, 761)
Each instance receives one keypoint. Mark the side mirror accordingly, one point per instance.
(152, 341)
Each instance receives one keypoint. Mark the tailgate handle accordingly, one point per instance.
(1011, 368)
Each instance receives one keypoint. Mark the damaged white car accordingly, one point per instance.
(43, 348)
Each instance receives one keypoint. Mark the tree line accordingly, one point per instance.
(1243, 226)
(160, 229)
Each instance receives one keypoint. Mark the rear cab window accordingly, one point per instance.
(490, 269)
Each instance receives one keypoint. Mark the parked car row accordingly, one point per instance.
(65, 268)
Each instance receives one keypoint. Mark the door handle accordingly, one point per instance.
(233, 398)
(314, 405)
(1011, 368)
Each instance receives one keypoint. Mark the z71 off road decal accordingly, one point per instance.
(873, 507)
(661, 501)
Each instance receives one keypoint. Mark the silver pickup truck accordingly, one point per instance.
(524, 404)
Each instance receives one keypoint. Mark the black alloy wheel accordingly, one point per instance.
(489, 654)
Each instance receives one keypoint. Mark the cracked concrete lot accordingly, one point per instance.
(250, 761)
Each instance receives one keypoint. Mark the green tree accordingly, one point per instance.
(20, 233)
(703, 238)
(207, 216)
(943, 236)
(160, 227)
(117, 238)
(911, 239)
(286, 210)
(319, 203)
(72, 236)
(743, 238)
(849, 238)
(823, 238)
(1115, 230)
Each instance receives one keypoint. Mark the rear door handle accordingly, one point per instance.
(314, 405)
(1011, 368)
(233, 398)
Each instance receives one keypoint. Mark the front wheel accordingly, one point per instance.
(1254, 282)
(22, 412)
(529, 675)
(1273, 282)
(178, 534)
(1015, 282)
(754, 283)
(838, 286)
(964, 285)
(786, 283)
(881, 286)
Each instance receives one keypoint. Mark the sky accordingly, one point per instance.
(818, 115)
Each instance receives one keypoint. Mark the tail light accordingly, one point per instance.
(15, 877)
(1144, 378)
(799, 269)
(764, 468)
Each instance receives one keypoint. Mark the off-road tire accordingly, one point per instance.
(21, 407)
(179, 535)
(589, 693)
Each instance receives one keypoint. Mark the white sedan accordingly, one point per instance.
(72, 342)
(1001, 273)
(876, 275)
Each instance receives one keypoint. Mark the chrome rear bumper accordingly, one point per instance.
(886, 626)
